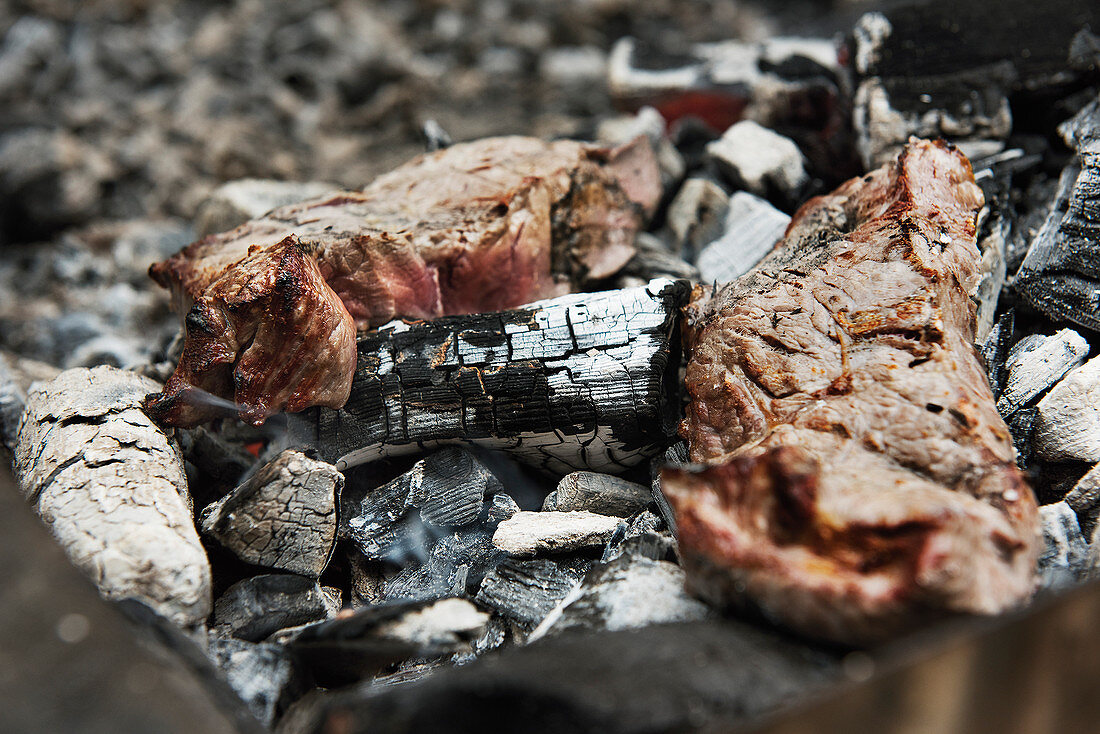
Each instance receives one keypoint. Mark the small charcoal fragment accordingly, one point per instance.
(1065, 556)
(1084, 498)
(526, 591)
(627, 593)
(652, 259)
(760, 160)
(1038, 362)
(530, 533)
(111, 487)
(697, 215)
(283, 517)
(751, 230)
(451, 488)
(264, 675)
(1068, 424)
(993, 270)
(256, 607)
(601, 493)
(995, 350)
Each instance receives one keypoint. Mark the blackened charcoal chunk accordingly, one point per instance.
(1036, 363)
(351, 647)
(629, 592)
(254, 608)
(996, 348)
(219, 460)
(283, 517)
(263, 674)
(601, 493)
(701, 676)
(451, 488)
(448, 487)
(1065, 558)
(525, 591)
(1021, 425)
(653, 259)
(1060, 275)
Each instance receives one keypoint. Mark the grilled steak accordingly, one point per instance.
(856, 476)
(273, 305)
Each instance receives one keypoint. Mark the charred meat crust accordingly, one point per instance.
(857, 478)
(475, 227)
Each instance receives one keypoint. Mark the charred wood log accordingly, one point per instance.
(1060, 275)
(858, 477)
(111, 487)
(585, 381)
(274, 304)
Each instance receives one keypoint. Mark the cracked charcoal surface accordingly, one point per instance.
(111, 487)
(256, 607)
(601, 493)
(1060, 275)
(283, 517)
(526, 591)
(578, 382)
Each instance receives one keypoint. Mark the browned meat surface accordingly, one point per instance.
(483, 226)
(857, 478)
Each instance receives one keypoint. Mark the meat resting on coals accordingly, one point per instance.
(273, 306)
(857, 478)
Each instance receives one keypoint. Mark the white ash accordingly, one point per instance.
(697, 215)
(530, 533)
(1068, 424)
(444, 623)
(111, 487)
(760, 160)
(1036, 363)
(1084, 498)
(752, 227)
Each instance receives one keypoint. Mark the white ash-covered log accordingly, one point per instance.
(111, 487)
(585, 381)
(858, 479)
(273, 305)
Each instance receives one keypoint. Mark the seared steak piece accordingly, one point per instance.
(857, 477)
(483, 226)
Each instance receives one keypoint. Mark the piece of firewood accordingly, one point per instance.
(111, 487)
(858, 479)
(585, 381)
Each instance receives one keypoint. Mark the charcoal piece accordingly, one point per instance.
(448, 487)
(550, 503)
(236, 202)
(217, 458)
(256, 607)
(996, 348)
(697, 215)
(601, 493)
(1021, 426)
(1084, 499)
(839, 409)
(1036, 363)
(451, 488)
(675, 455)
(111, 487)
(760, 161)
(702, 676)
(648, 122)
(1060, 275)
(495, 634)
(530, 533)
(993, 270)
(629, 592)
(752, 228)
(643, 536)
(435, 137)
(355, 646)
(1068, 424)
(652, 259)
(526, 591)
(579, 382)
(264, 675)
(1065, 557)
(283, 517)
